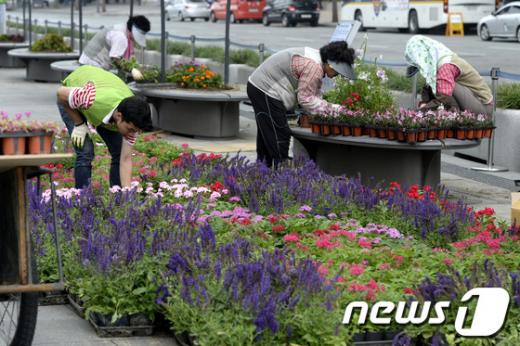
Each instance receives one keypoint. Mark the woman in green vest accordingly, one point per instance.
(97, 97)
(450, 80)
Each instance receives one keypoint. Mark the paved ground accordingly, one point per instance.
(58, 325)
(388, 44)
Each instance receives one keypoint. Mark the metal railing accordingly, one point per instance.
(495, 73)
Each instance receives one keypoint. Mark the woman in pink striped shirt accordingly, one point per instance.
(290, 77)
(450, 80)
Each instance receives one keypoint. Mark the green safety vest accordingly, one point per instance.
(3, 2)
(110, 91)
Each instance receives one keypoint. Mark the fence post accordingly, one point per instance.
(261, 53)
(414, 92)
(86, 31)
(495, 72)
(17, 20)
(46, 23)
(192, 39)
(59, 27)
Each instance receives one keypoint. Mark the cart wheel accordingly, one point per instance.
(18, 314)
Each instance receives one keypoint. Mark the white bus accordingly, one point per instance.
(411, 16)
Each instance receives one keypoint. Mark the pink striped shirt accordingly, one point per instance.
(447, 74)
(309, 74)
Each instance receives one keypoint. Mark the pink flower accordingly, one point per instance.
(325, 243)
(447, 262)
(323, 270)
(357, 269)
(365, 243)
(185, 145)
(384, 266)
(291, 237)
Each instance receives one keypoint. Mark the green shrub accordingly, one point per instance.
(508, 96)
(51, 43)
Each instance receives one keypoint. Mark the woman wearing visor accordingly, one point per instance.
(450, 80)
(110, 45)
(290, 77)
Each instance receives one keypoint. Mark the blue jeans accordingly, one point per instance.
(85, 155)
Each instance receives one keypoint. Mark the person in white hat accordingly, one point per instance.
(287, 78)
(110, 45)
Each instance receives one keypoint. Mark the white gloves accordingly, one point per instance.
(79, 134)
(136, 74)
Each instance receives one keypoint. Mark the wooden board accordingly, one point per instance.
(8, 162)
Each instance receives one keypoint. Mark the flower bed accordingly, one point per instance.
(232, 252)
(51, 43)
(12, 38)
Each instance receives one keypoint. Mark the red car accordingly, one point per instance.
(240, 10)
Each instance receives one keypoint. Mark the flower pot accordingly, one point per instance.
(372, 132)
(478, 133)
(421, 136)
(304, 121)
(391, 134)
(336, 130)
(357, 131)
(431, 134)
(411, 137)
(315, 128)
(325, 130)
(461, 134)
(346, 130)
(441, 133)
(450, 133)
(401, 137)
(381, 133)
(487, 133)
(470, 134)
(39, 144)
(366, 131)
(13, 145)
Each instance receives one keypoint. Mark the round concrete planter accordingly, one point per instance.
(9, 61)
(38, 64)
(193, 112)
(376, 159)
(65, 67)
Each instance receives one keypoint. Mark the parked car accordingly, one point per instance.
(291, 12)
(240, 10)
(187, 9)
(504, 23)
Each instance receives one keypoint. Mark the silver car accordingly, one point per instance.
(184, 9)
(504, 23)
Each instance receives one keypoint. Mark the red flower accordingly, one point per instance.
(448, 262)
(291, 237)
(408, 290)
(217, 186)
(356, 96)
(244, 221)
(357, 269)
(272, 218)
(278, 228)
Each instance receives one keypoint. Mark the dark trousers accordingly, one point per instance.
(274, 135)
(85, 155)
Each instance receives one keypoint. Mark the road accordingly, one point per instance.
(386, 44)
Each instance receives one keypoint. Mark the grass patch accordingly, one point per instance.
(508, 96)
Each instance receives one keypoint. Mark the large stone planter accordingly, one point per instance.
(9, 61)
(204, 113)
(375, 160)
(38, 64)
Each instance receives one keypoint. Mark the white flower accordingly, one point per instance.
(214, 196)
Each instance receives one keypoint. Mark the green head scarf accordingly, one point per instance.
(427, 55)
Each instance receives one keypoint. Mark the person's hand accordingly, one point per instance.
(79, 133)
(136, 74)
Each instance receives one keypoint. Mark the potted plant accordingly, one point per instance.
(42, 133)
(13, 134)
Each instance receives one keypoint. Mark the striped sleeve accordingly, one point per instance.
(310, 75)
(82, 98)
(446, 76)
